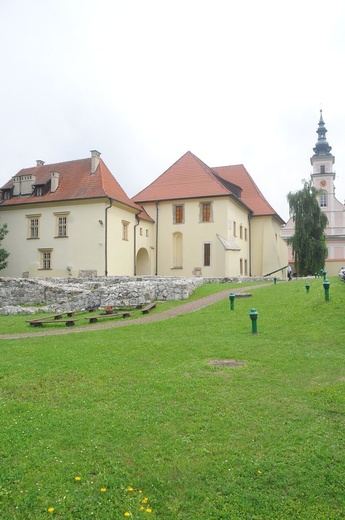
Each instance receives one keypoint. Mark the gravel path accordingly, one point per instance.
(170, 313)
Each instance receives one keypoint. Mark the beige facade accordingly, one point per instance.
(269, 250)
(73, 219)
(217, 247)
(68, 239)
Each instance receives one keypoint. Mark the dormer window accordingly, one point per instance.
(6, 194)
(38, 191)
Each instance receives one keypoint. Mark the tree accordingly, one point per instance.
(3, 253)
(309, 241)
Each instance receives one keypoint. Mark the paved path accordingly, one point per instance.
(170, 313)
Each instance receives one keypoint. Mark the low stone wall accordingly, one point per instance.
(57, 294)
(25, 295)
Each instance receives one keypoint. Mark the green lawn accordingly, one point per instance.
(152, 429)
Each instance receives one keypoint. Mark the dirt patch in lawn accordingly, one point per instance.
(225, 363)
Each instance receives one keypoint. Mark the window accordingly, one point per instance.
(125, 228)
(33, 226)
(61, 224)
(62, 227)
(207, 254)
(178, 216)
(241, 231)
(241, 266)
(38, 191)
(141, 231)
(46, 258)
(246, 268)
(6, 194)
(323, 199)
(322, 168)
(245, 234)
(206, 212)
(147, 232)
(234, 228)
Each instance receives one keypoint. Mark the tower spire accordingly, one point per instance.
(322, 147)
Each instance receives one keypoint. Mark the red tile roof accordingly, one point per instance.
(251, 194)
(75, 183)
(189, 177)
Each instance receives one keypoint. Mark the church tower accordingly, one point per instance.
(322, 162)
(323, 177)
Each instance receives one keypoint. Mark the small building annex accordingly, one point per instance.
(74, 219)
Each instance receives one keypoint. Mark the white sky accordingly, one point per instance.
(144, 81)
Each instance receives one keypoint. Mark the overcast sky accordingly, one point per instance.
(144, 81)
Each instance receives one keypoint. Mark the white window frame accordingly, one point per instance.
(46, 259)
(33, 226)
(61, 224)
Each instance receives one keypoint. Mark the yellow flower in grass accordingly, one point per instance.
(103, 489)
(51, 510)
(148, 510)
(259, 472)
(127, 513)
(77, 479)
(144, 500)
(141, 508)
(129, 488)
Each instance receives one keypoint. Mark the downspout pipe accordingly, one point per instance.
(250, 243)
(157, 221)
(135, 243)
(106, 236)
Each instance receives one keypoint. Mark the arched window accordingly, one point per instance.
(177, 250)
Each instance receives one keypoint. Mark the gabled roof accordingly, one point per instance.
(188, 177)
(75, 183)
(251, 194)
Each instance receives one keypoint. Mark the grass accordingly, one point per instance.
(138, 413)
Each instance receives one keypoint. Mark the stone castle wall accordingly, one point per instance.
(25, 295)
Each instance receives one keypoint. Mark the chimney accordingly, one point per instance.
(39, 162)
(95, 158)
(54, 181)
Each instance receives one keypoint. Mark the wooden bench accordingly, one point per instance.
(40, 323)
(94, 319)
(148, 307)
(53, 317)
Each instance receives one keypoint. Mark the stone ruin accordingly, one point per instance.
(27, 295)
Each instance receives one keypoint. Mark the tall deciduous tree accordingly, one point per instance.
(309, 241)
(3, 253)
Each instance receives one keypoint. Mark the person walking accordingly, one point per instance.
(289, 272)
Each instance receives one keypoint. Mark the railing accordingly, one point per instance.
(280, 269)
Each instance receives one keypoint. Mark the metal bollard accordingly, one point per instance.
(307, 287)
(326, 284)
(254, 316)
(232, 301)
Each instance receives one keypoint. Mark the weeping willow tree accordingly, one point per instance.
(309, 241)
(3, 253)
